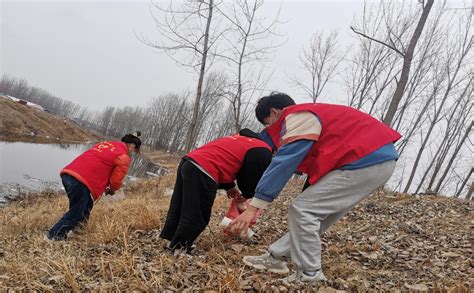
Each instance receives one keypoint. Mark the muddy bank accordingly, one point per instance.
(22, 123)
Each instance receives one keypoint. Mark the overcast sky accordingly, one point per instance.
(86, 51)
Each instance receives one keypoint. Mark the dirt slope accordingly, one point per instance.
(389, 242)
(23, 123)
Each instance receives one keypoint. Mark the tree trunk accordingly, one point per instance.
(192, 127)
(407, 58)
(469, 193)
(440, 181)
(458, 193)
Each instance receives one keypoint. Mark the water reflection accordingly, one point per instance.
(27, 167)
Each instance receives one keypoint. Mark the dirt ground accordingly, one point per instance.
(389, 242)
(26, 124)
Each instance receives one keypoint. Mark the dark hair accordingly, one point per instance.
(274, 100)
(249, 133)
(133, 138)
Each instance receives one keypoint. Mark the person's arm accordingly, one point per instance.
(301, 130)
(255, 163)
(282, 167)
(121, 164)
(226, 186)
(272, 182)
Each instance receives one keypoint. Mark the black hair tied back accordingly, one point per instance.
(133, 138)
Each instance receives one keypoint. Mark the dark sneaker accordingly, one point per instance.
(57, 237)
(179, 249)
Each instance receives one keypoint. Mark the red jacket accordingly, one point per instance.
(104, 164)
(223, 157)
(346, 136)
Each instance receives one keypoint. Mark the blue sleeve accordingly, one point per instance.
(266, 138)
(281, 169)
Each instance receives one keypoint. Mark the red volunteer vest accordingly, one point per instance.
(223, 158)
(94, 167)
(347, 135)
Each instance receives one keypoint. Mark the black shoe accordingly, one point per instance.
(57, 237)
(179, 248)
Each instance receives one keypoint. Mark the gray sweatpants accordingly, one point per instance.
(319, 206)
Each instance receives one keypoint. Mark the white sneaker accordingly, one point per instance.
(267, 262)
(306, 277)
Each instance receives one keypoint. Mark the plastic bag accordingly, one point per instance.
(118, 195)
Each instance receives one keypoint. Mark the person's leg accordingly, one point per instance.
(322, 204)
(280, 249)
(199, 192)
(80, 203)
(85, 218)
(174, 211)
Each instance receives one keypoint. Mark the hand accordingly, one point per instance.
(233, 192)
(109, 191)
(241, 224)
(241, 206)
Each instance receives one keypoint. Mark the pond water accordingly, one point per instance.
(26, 167)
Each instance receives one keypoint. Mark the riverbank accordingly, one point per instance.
(389, 242)
(20, 123)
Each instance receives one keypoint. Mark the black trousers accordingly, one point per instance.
(190, 207)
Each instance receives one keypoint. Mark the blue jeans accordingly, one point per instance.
(80, 206)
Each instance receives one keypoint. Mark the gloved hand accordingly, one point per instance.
(108, 191)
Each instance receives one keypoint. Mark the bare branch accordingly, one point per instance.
(375, 40)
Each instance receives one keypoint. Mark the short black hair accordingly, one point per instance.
(273, 100)
(133, 138)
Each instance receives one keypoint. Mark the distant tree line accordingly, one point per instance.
(163, 122)
(19, 88)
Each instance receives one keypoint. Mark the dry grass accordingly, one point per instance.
(120, 249)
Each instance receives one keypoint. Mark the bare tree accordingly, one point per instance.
(106, 118)
(371, 66)
(212, 95)
(407, 58)
(186, 28)
(247, 44)
(435, 84)
(454, 125)
(453, 157)
(449, 73)
(19, 88)
(166, 120)
(470, 191)
(320, 60)
(430, 46)
(464, 183)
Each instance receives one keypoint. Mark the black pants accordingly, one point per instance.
(80, 206)
(190, 207)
